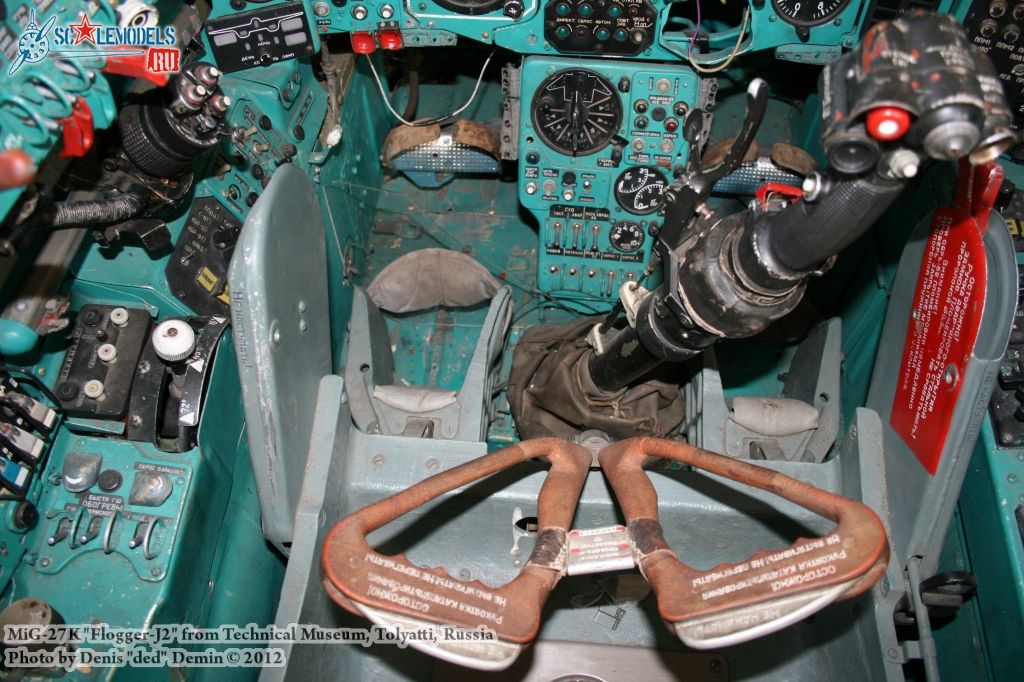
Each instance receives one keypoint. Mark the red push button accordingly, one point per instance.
(888, 123)
(16, 168)
(390, 40)
(363, 43)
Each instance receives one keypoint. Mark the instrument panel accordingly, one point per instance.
(806, 31)
(597, 148)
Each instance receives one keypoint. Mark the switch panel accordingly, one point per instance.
(96, 374)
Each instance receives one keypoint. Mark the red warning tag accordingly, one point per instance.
(943, 327)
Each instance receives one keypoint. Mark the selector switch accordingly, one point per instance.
(173, 340)
(150, 490)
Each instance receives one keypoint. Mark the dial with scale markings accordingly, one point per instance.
(640, 190)
(808, 12)
(627, 236)
(576, 111)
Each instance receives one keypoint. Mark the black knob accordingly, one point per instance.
(67, 391)
(532, 158)
(513, 8)
(623, 84)
(265, 123)
(91, 317)
(26, 515)
(110, 480)
(568, 178)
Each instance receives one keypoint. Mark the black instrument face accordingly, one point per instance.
(261, 37)
(576, 111)
(626, 236)
(640, 190)
(471, 7)
(808, 12)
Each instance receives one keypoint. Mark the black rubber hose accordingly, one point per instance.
(71, 213)
(799, 239)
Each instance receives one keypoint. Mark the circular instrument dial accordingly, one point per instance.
(626, 236)
(471, 7)
(808, 12)
(640, 190)
(576, 111)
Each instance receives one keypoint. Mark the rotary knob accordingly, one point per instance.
(173, 340)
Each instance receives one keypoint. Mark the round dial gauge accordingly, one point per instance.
(626, 236)
(640, 190)
(808, 12)
(576, 111)
(471, 7)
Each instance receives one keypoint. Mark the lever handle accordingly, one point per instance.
(733, 603)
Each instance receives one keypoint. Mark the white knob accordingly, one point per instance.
(173, 340)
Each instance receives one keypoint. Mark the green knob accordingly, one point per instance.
(602, 33)
(585, 10)
(615, 11)
(563, 32)
(562, 9)
(620, 34)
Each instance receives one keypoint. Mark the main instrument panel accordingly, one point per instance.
(598, 146)
(642, 29)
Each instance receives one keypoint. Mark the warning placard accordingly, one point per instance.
(941, 332)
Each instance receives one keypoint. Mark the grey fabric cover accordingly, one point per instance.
(431, 277)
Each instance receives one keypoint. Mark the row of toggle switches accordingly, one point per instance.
(575, 236)
(576, 278)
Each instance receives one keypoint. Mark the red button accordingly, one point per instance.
(363, 43)
(390, 40)
(671, 124)
(16, 168)
(888, 123)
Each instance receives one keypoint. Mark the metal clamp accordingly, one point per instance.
(390, 590)
(733, 603)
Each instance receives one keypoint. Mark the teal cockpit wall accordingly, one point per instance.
(149, 504)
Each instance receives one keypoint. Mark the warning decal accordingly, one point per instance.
(941, 332)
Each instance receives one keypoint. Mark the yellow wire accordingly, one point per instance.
(732, 55)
